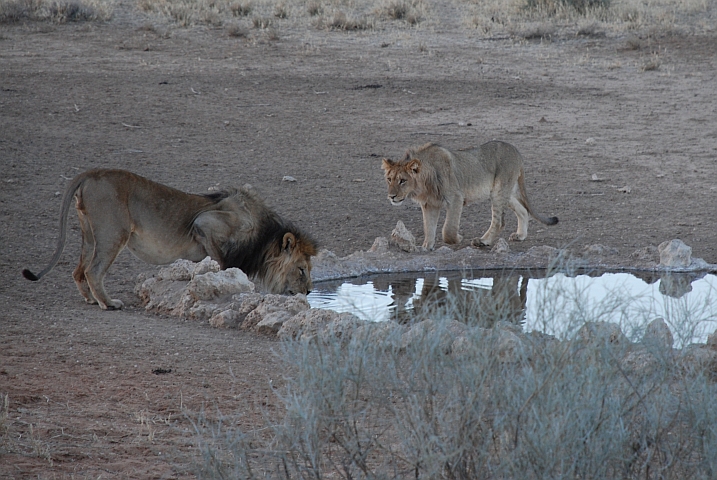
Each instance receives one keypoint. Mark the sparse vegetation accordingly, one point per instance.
(235, 30)
(281, 11)
(240, 9)
(261, 22)
(14, 11)
(313, 8)
(552, 7)
(479, 404)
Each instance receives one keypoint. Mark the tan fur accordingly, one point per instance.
(159, 224)
(434, 176)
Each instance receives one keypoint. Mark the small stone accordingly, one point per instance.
(501, 246)
(288, 178)
(380, 245)
(658, 334)
(402, 238)
(675, 253)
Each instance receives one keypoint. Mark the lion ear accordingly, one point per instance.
(289, 241)
(414, 165)
(387, 163)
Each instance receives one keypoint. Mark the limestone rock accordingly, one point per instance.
(501, 247)
(271, 323)
(226, 319)
(402, 238)
(272, 303)
(319, 322)
(658, 335)
(596, 333)
(675, 253)
(380, 245)
(214, 286)
(445, 332)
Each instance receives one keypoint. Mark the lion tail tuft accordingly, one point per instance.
(29, 275)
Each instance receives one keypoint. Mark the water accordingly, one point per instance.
(556, 305)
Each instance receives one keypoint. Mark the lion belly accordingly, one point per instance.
(476, 193)
(162, 253)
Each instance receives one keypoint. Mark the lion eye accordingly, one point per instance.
(402, 181)
(302, 271)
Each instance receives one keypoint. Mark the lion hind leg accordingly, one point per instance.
(86, 253)
(453, 221)
(523, 217)
(497, 222)
(106, 248)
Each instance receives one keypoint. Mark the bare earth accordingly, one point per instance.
(196, 108)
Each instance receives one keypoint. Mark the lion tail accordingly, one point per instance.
(526, 203)
(66, 201)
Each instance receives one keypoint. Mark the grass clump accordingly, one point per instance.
(240, 9)
(341, 21)
(552, 7)
(465, 393)
(14, 11)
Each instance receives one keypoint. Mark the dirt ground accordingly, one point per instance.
(90, 392)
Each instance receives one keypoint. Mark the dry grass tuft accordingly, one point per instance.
(240, 9)
(313, 8)
(553, 7)
(410, 11)
(281, 11)
(261, 22)
(237, 31)
(14, 11)
(652, 64)
(343, 22)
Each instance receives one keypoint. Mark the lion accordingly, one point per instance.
(159, 225)
(434, 176)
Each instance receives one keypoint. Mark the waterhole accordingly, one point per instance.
(556, 304)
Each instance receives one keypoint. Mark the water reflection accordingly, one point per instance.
(558, 304)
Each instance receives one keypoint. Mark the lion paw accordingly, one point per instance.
(480, 243)
(515, 237)
(114, 305)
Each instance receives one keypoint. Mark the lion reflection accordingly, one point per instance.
(474, 302)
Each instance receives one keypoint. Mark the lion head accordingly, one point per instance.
(402, 178)
(287, 269)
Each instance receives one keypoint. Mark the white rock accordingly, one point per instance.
(402, 238)
(380, 245)
(288, 178)
(501, 246)
(658, 335)
(275, 303)
(675, 253)
(319, 322)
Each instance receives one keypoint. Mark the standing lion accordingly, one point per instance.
(433, 177)
(159, 224)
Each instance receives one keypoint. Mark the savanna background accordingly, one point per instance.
(612, 104)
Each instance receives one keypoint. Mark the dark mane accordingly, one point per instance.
(251, 254)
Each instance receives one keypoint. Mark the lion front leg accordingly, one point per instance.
(430, 224)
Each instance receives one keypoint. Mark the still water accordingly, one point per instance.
(557, 304)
